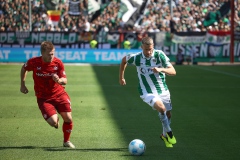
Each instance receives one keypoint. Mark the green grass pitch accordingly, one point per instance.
(107, 116)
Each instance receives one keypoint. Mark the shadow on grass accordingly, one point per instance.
(134, 118)
(68, 149)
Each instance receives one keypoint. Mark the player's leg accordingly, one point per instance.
(53, 121)
(160, 107)
(67, 125)
(48, 112)
(168, 113)
(156, 103)
(163, 136)
(167, 131)
(64, 108)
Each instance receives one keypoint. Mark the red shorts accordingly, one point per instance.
(51, 106)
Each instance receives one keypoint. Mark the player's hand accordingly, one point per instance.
(24, 89)
(156, 70)
(55, 77)
(122, 82)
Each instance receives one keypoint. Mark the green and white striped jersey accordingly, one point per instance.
(150, 82)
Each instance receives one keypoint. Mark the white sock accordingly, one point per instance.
(165, 122)
(164, 130)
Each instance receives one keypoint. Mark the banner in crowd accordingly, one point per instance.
(74, 7)
(237, 36)
(49, 4)
(212, 45)
(189, 37)
(24, 39)
(140, 6)
(93, 6)
(129, 10)
(218, 37)
(116, 39)
(54, 17)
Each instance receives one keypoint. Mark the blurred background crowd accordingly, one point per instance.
(156, 16)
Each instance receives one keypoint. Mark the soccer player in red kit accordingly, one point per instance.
(49, 80)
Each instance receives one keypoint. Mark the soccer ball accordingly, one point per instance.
(137, 147)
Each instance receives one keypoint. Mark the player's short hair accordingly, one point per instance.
(46, 46)
(147, 41)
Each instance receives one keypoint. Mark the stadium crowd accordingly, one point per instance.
(187, 15)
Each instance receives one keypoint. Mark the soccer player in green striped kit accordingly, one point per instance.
(152, 66)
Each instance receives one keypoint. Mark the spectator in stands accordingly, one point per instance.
(86, 25)
(156, 15)
(195, 28)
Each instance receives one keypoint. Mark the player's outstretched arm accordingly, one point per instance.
(23, 75)
(122, 68)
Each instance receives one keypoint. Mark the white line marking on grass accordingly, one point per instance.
(172, 86)
(222, 72)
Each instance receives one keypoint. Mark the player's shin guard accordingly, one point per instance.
(67, 129)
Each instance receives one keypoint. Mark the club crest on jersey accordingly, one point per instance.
(55, 68)
(38, 68)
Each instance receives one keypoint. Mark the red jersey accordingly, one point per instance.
(44, 85)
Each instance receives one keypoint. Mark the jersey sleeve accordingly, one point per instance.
(61, 71)
(29, 64)
(130, 58)
(164, 59)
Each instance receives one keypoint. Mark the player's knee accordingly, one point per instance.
(53, 121)
(67, 119)
(53, 124)
(159, 106)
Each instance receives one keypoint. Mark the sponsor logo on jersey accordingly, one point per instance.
(38, 68)
(55, 68)
(146, 70)
(45, 74)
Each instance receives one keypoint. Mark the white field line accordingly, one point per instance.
(216, 71)
(135, 87)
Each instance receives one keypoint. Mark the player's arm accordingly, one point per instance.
(57, 79)
(23, 75)
(122, 68)
(60, 77)
(169, 70)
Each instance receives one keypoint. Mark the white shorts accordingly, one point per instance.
(150, 99)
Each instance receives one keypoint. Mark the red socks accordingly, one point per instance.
(67, 129)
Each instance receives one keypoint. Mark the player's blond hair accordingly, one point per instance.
(147, 41)
(46, 46)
